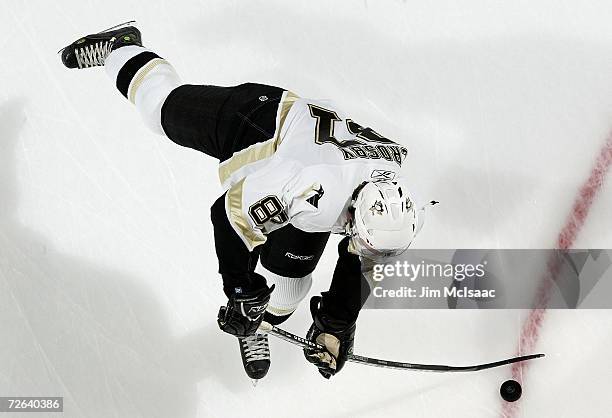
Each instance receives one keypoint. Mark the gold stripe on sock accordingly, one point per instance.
(140, 76)
(279, 311)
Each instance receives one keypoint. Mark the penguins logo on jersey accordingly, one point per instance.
(314, 199)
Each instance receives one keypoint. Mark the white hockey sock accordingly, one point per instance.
(288, 291)
(144, 78)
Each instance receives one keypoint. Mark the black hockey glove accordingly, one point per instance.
(244, 312)
(337, 336)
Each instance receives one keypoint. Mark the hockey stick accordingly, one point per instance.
(354, 358)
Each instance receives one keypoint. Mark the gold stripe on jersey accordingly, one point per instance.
(238, 220)
(140, 76)
(262, 150)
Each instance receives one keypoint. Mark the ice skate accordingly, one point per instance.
(92, 50)
(255, 353)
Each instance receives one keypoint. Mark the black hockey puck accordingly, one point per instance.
(511, 391)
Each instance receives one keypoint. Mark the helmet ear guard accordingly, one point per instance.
(356, 191)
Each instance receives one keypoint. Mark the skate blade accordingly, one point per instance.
(120, 25)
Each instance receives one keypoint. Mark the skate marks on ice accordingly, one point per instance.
(86, 332)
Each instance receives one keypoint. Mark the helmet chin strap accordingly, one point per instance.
(352, 249)
(348, 226)
(348, 231)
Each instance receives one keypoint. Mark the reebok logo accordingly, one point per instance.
(256, 309)
(299, 257)
(382, 175)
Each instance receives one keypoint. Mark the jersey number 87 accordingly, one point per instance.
(268, 209)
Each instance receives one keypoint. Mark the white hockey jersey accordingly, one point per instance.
(306, 174)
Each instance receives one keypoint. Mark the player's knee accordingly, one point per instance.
(152, 94)
(287, 295)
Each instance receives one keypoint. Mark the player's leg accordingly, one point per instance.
(221, 121)
(287, 260)
(218, 121)
(145, 79)
(215, 120)
(140, 75)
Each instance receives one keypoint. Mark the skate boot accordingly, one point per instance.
(92, 50)
(255, 353)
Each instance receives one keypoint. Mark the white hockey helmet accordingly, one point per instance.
(384, 219)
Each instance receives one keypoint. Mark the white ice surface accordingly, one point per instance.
(108, 284)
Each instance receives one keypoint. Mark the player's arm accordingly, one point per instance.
(335, 313)
(349, 289)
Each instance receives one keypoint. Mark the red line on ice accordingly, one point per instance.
(574, 223)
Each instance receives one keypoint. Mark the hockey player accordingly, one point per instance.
(294, 170)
